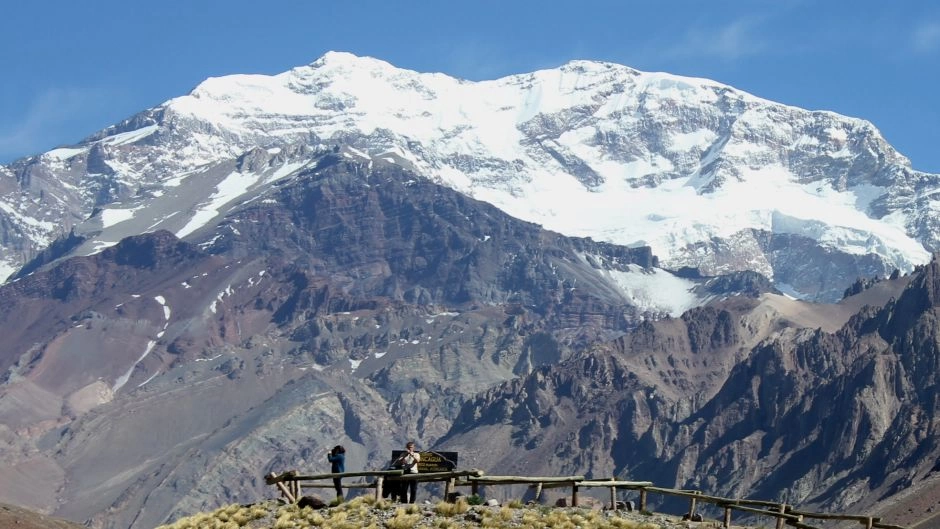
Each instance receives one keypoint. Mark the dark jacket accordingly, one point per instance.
(338, 462)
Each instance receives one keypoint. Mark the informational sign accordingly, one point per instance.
(432, 461)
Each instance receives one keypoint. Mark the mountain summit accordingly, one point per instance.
(708, 176)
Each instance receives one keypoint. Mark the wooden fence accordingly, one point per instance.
(290, 484)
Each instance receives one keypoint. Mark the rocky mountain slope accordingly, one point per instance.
(345, 304)
(827, 407)
(706, 175)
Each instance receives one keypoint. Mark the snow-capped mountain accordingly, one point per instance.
(708, 176)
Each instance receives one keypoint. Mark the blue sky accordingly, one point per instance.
(70, 68)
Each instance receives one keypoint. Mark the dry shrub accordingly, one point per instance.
(452, 509)
(402, 520)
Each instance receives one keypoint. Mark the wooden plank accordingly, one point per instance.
(287, 495)
(827, 516)
(675, 492)
(525, 479)
(765, 512)
(618, 484)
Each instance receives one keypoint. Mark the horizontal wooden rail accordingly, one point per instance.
(521, 480)
(615, 483)
(827, 516)
(772, 514)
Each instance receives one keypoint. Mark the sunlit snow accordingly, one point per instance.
(488, 119)
(64, 153)
(130, 136)
(655, 290)
(121, 380)
(110, 217)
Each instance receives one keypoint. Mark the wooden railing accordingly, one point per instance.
(290, 484)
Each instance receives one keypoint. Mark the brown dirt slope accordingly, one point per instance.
(19, 518)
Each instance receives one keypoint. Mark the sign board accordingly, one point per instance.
(432, 461)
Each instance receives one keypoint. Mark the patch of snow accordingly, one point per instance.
(6, 270)
(790, 292)
(153, 376)
(64, 153)
(230, 188)
(110, 217)
(655, 289)
(121, 380)
(380, 355)
(124, 138)
(101, 245)
(354, 364)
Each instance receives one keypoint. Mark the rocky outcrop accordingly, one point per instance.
(348, 305)
(717, 401)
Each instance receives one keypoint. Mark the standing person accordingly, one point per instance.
(409, 463)
(337, 459)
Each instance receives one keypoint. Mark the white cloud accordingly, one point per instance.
(734, 40)
(926, 37)
(40, 127)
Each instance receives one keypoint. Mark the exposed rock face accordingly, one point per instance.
(739, 401)
(346, 305)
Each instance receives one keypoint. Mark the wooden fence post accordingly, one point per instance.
(727, 517)
(574, 495)
(780, 521)
(613, 496)
(286, 493)
(538, 491)
(378, 488)
(448, 489)
(475, 488)
(692, 508)
(869, 522)
(642, 500)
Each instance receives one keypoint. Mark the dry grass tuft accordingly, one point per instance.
(452, 509)
(402, 520)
